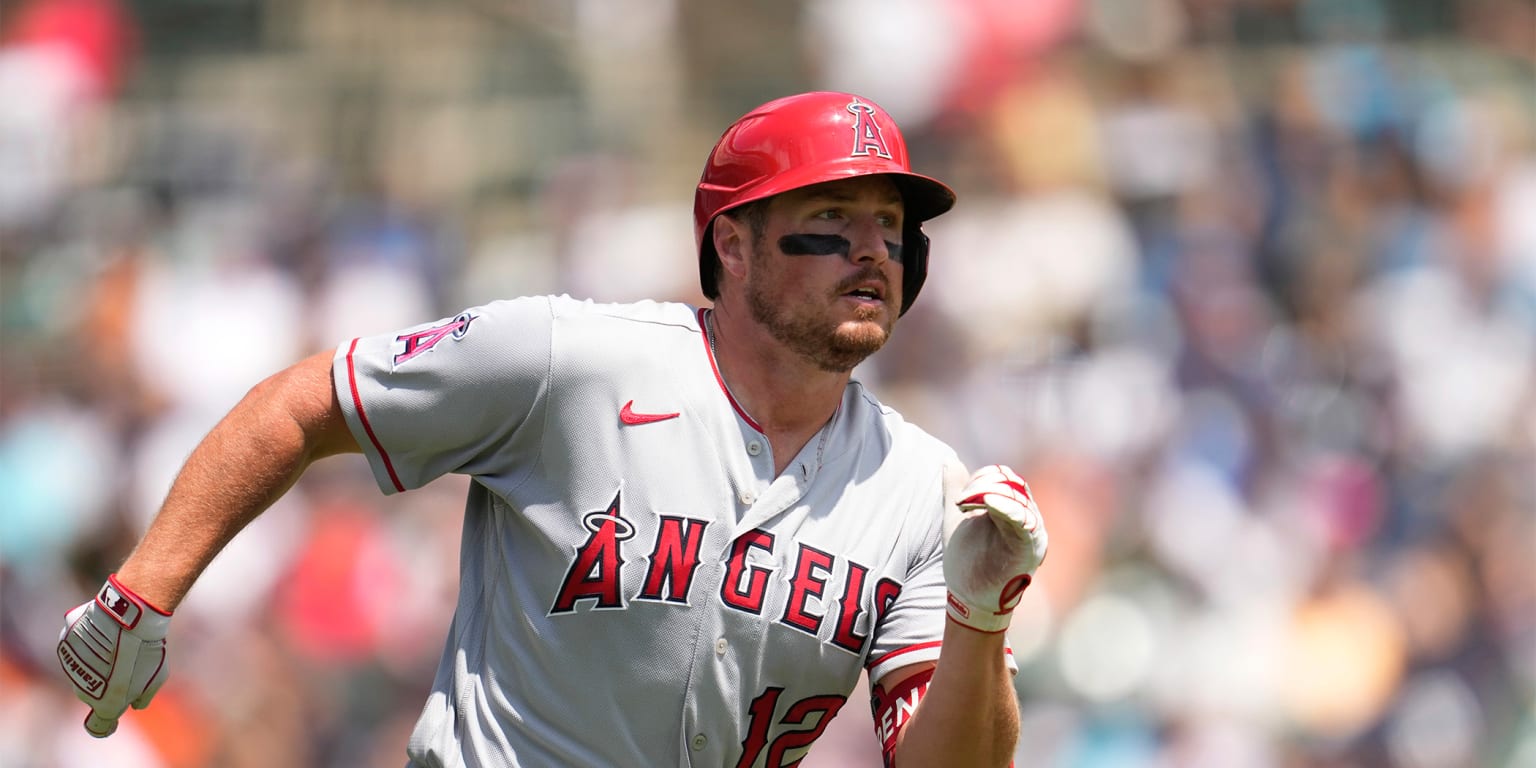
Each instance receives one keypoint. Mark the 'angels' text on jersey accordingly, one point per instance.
(821, 584)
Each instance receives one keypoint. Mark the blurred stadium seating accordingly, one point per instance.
(1246, 288)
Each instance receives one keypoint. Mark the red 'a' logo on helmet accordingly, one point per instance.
(867, 138)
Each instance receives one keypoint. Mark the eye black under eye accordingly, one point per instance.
(802, 244)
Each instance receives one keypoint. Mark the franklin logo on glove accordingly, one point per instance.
(113, 649)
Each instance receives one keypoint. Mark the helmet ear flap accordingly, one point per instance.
(709, 263)
(914, 263)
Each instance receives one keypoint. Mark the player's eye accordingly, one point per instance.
(830, 214)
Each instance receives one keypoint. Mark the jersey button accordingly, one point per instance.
(720, 646)
(754, 447)
(747, 498)
(699, 741)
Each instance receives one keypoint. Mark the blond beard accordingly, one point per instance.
(821, 341)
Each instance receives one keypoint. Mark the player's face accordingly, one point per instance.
(825, 277)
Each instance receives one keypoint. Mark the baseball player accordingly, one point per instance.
(689, 530)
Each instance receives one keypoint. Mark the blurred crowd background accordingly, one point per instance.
(1245, 288)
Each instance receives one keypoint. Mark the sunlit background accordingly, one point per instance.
(1245, 288)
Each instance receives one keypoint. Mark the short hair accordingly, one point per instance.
(755, 216)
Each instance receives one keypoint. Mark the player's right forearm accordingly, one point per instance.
(250, 459)
(969, 715)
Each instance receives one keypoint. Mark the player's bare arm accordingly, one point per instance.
(246, 463)
(965, 713)
(961, 710)
(113, 646)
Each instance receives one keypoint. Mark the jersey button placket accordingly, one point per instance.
(757, 449)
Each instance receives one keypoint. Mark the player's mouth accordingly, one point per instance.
(866, 293)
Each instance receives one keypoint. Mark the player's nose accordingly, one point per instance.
(869, 240)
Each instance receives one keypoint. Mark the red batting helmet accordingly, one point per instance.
(807, 139)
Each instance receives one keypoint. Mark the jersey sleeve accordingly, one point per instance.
(912, 629)
(460, 395)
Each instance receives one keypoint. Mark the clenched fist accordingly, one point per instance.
(995, 539)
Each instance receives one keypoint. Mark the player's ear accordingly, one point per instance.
(733, 240)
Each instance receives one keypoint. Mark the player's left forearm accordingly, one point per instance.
(969, 715)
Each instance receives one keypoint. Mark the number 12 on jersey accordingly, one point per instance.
(813, 712)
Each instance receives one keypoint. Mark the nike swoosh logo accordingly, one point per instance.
(628, 416)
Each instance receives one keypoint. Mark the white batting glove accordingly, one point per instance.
(995, 541)
(113, 650)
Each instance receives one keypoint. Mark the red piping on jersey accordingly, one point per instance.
(710, 353)
(875, 662)
(357, 402)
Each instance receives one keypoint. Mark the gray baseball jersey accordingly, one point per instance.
(637, 587)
